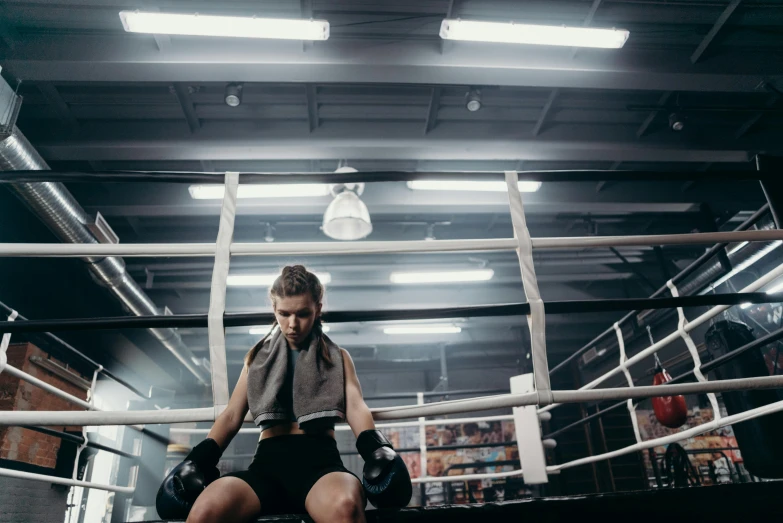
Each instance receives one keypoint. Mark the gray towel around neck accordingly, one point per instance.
(319, 387)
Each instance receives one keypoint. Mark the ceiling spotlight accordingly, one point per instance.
(347, 217)
(676, 122)
(473, 100)
(233, 95)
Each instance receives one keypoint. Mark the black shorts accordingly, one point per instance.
(285, 468)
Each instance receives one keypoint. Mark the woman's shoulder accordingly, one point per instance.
(346, 356)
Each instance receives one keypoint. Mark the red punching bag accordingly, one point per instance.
(670, 411)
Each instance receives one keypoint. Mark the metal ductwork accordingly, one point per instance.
(62, 214)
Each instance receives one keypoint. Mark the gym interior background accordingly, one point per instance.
(696, 89)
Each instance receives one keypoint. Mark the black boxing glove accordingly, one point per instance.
(385, 477)
(187, 480)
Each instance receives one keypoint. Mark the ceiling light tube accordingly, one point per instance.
(266, 280)
(469, 185)
(230, 26)
(423, 329)
(511, 33)
(408, 278)
(216, 192)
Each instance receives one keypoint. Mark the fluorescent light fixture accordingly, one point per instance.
(468, 185)
(231, 26)
(264, 330)
(423, 329)
(293, 190)
(266, 280)
(511, 33)
(407, 278)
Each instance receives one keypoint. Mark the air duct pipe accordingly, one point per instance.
(63, 215)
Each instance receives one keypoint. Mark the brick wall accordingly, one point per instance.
(24, 445)
(27, 501)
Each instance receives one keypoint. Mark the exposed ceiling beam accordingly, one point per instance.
(542, 118)
(163, 41)
(633, 269)
(588, 21)
(97, 166)
(312, 106)
(753, 120)
(432, 110)
(183, 92)
(306, 13)
(713, 32)
(122, 59)
(600, 186)
(49, 91)
(662, 101)
(377, 141)
(448, 44)
(8, 34)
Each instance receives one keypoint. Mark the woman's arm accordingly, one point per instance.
(357, 413)
(230, 420)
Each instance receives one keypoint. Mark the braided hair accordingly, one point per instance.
(295, 280)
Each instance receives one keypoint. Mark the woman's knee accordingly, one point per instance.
(226, 498)
(206, 511)
(347, 505)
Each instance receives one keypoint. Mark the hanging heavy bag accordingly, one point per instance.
(758, 439)
(670, 411)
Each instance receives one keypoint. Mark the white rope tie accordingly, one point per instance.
(629, 403)
(682, 322)
(537, 319)
(217, 296)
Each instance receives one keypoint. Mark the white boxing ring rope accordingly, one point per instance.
(682, 322)
(655, 347)
(222, 249)
(171, 250)
(13, 371)
(342, 427)
(397, 413)
(672, 438)
(629, 403)
(64, 481)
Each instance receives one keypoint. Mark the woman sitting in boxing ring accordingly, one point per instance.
(296, 383)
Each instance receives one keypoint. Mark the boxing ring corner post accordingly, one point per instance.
(528, 431)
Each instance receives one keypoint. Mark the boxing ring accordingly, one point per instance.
(532, 398)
